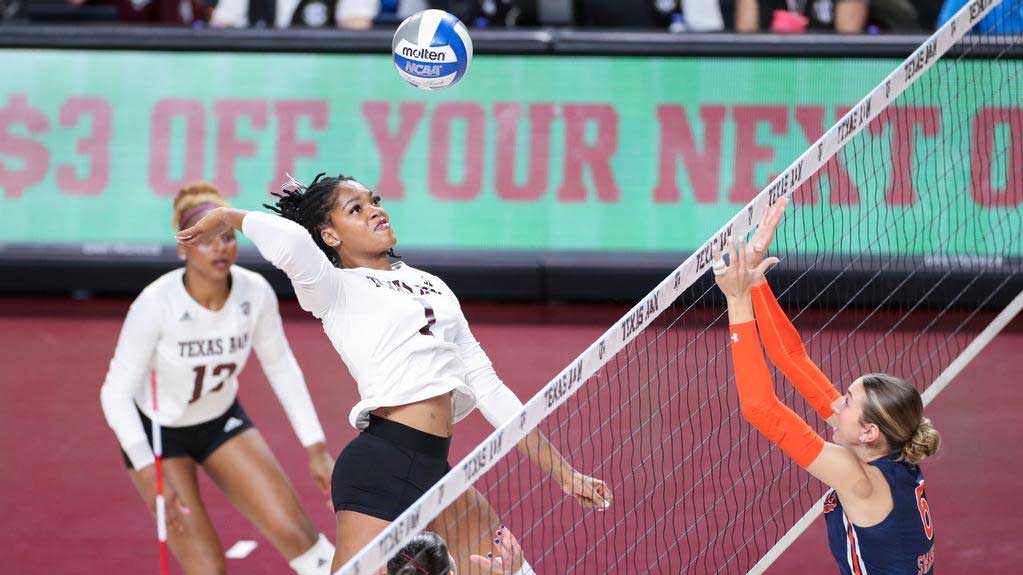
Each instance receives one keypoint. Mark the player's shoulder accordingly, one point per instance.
(160, 294)
(434, 279)
(162, 288)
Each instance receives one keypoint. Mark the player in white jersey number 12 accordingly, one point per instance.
(194, 328)
(419, 369)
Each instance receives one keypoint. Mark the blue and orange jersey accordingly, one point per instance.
(901, 544)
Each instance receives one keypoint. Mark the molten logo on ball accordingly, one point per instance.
(432, 49)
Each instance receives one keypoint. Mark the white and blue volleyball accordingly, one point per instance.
(432, 49)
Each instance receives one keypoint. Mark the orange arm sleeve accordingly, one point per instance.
(759, 404)
(781, 340)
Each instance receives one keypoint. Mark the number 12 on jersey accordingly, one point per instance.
(223, 371)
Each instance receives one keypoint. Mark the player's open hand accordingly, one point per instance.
(589, 492)
(210, 226)
(761, 240)
(506, 558)
(174, 506)
(737, 278)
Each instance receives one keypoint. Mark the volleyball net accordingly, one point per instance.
(903, 239)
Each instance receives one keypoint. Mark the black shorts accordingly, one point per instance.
(197, 441)
(384, 470)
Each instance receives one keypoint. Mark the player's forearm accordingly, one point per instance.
(544, 455)
(231, 216)
(740, 309)
(123, 419)
(289, 386)
(786, 350)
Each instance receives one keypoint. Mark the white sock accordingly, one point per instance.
(316, 560)
(525, 569)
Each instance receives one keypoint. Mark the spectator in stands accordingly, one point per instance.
(844, 16)
(475, 13)
(350, 14)
(895, 15)
(679, 15)
(1006, 18)
(168, 12)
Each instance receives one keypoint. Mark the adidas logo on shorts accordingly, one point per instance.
(185, 317)
(232, 423)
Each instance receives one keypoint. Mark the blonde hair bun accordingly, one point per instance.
(192, 195)
(925, 442)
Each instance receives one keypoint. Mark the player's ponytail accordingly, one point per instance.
(897, 409)
(426, 554)
(193, 201)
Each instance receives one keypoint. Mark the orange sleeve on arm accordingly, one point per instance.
(786, 350)
(759, 404)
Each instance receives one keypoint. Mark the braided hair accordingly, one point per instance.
(426, 554)
(310, 207)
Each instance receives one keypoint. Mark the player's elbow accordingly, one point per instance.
(754, 411)
(762, 414)
(109, 398)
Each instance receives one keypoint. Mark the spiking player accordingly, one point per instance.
(877, 514)
(196, 326)
(402, 335)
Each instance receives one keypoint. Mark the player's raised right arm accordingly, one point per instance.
(285, 244)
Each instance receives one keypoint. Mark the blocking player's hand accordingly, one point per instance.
(756, 250)
(506, 557)
(736, 279)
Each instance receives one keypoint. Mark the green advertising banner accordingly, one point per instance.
(528, 152)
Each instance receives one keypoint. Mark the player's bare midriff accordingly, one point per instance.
(431, 415)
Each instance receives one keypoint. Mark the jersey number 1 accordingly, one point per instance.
(925, 511)
(431, 319)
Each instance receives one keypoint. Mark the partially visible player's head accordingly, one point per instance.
(212, 259)
(426, 554)
(887, 413)
(343, 216)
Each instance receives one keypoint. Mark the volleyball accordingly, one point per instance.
(432, 49)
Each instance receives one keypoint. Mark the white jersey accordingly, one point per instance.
(401, 332)
(196, 355)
